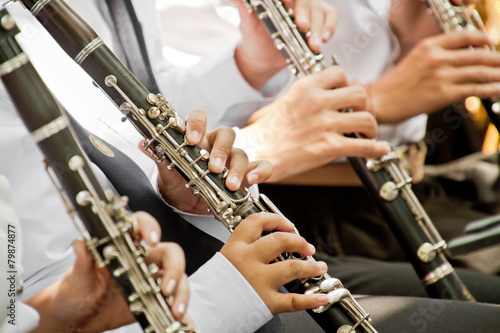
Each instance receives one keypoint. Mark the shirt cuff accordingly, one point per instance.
(206, 223)
(222, 300)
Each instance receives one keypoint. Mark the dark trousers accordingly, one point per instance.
(345, 221)
(415, 315)
(348, 230)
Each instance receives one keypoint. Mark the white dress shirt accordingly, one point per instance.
(48, 231)
(363, 44)
(366, 48)
(15, 316)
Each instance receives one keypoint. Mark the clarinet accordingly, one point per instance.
(385, 179)
(164, 131)
(107, 226)
(457, 18)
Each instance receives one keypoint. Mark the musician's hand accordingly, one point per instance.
(463, 2)
(303, 130)
(251, 254)
(438, 72)
(87, 299)
(256, 55)
(220, 145)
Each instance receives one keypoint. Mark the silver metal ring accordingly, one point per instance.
(13, 64)
(37, 7)
(88, 49)
(49, 129)
(437, 274)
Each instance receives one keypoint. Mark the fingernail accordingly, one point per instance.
(233, 179)
(181, 308)
(322, 266)
(312, 248)
(303, 19)
(326, 36)
(169, 289)
(386, 146)
(195, 136)
(153, 237)
(217, 163)
(315, 41)
(323, 299)
(253, 178)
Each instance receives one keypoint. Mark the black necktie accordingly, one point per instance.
(131, 38)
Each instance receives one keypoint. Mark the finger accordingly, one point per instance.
(355, 147)
(480, 90)
(302, 13)
(462, 39)
(474, 74)
(162, 168)
(190, 322)
(331, 21)
(252, 227)
(181, 298)
(283, 302)
(317, 23)
(331, 77)
(84, 262)
(470, 56)
(148, 228)
(270, 246)
(221, 140)
(258, 172)
(243, 11)
(293, 269)
(143, 149)
(463, 2)
(354, 97)
(238, 164)
(196, 124)
(361, 122)
(169, 257)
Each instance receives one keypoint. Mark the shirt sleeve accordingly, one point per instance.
(214, 85)
(222, 300)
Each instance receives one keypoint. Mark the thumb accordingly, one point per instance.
(242, 8)
(143, 150)
(84, 263)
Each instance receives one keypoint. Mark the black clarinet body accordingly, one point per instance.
(385, 180)
(150, 113)
(411, 226)
(105, 223)
(164, 131)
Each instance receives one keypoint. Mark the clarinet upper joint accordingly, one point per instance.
(288, 39)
